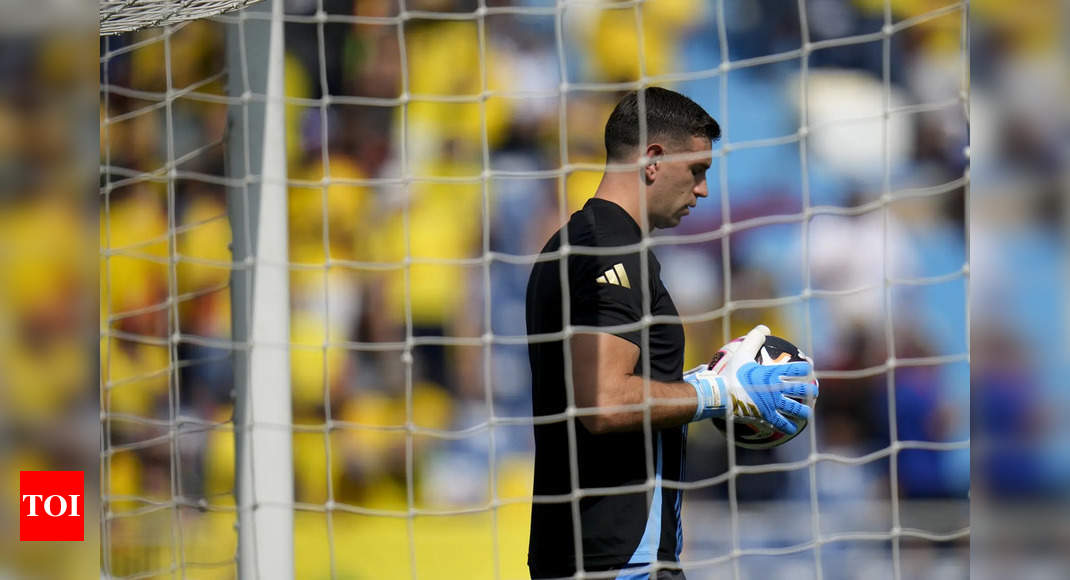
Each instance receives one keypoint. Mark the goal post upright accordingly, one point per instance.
(257, 208)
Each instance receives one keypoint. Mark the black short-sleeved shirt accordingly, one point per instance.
(603, 290)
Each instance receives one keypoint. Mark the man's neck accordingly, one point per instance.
(623, 190)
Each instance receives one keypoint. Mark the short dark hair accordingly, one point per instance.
(668, 114)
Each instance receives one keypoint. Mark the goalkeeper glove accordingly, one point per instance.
(744, 390)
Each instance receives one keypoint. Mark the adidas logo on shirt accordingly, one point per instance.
(616, 276)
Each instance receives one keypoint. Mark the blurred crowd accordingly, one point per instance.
(48, 163)
(873, 285)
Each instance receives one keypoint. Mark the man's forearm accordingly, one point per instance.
(670, 405)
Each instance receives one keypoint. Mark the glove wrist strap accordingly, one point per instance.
(711, 394)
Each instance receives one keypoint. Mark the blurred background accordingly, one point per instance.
(873, 271)
(49, 400)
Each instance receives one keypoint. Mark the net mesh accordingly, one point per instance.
(127, 15)
(432, 147)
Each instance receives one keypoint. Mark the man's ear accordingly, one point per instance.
(653, 155)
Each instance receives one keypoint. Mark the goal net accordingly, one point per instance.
(317, 223)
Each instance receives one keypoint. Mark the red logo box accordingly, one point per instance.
(51, 506)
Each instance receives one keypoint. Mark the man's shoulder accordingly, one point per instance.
(599, 224)
(581, 229)
(602, 223)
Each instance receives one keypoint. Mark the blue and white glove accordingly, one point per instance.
(740, 388)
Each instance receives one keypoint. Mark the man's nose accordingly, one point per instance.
(701, 190)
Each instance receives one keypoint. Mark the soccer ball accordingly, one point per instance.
(752, 433)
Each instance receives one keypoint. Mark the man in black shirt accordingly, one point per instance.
(628, 391)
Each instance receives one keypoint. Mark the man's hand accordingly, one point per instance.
(739, 387)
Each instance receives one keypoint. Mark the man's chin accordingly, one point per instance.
(666, 223)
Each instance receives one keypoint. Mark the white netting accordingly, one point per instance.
(432, 148)
(127, 15)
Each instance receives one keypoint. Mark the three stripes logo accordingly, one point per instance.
(615, 276)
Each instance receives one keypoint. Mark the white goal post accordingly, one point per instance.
(257, 206)
(260, 296)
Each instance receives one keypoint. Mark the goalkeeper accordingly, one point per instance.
(632, 534)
